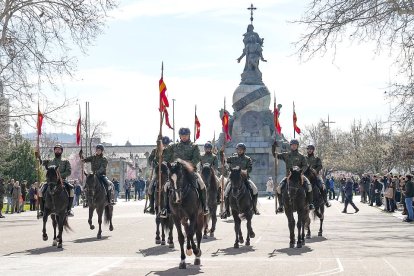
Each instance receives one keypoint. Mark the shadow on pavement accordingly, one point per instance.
(155, 251)
(231, 251)
(316, 239)
(191, 270)
(209, 239)
(291, 251)
(37, 251)
(94, 239)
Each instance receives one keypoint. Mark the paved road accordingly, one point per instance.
(368, 243)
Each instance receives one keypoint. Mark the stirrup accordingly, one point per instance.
(163, 213)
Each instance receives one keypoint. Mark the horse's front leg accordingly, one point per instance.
(54, 223)
(250, 233)
(163, 231)
(61, 220)
(45, 215)
(321, 226)
(199, 230)
(170, 234)
(206, 220)
(157, 230)
(182, 264)
(299, 227)
(91, 209)
(213, 221)
(237, 228)
(291, 224)
(99, 211)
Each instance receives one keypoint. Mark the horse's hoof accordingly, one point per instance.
(162, 242)
(171, 245)
(92, 227)
(99, 236)
(198, 255)
(197, 261)
(247, 243)
(45, 237)
(54, 243)
(320, 234)
(157, 241)
(205, 236)
(252, 235)
(111, 228)
(299, 245)
(303, 242)
(189, 252)
(59, 245)
(308, 236)
(241, 240)
(291, 245)
(212, 234)
(182, 265)
(236, 245)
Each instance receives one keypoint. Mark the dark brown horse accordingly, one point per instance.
(295, 201)
(318, 201)
(209, 178)
(56, 203)
(186, 209)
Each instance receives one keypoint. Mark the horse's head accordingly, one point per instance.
(206, 173)
(311, 174)
(236, 177)
(90, 181)
(295, 175)
(52, 178)
(164, 172)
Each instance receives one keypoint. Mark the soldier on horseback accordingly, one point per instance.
(316, 164)
(99, 163)
(64, 170)
(239, 159)
(187, 151)
(209, 157)
(153, 162)
(294, 158)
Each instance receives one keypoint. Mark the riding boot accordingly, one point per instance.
(151, 207)
(42, 206)
(166, 210)
(203, 199)
(226, 212)
(70, 213)
(255, 210)
(309, 199)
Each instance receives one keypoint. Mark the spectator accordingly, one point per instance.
(348, 192)
(33, 197)
(389, 195)
(342, 183)
(402, 189)
(116, 187)
(332, 188)
(9, 191)
(141, 188)
(364, 188)
(270, 187)
(16, 195)
(376, 189)
(127, 187)
(23, 188)
(409, 194)
(78, 193)
(136, 188)
(2, 193)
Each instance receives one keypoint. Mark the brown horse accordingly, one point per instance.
(209, 178)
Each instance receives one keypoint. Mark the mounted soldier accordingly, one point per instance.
(209, 157)
(316, 163)
(244, 162)
(64, 171)
(153, 162)
(99, 163)
(292, 159)
(187, 151)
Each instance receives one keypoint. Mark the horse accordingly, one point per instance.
(209, 178)
(97, 199)
(167, 224)
(318, 201)
(56, 203)
(186, 209)
(241, 204)
(295, 201)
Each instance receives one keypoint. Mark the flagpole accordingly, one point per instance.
(173, 100)
(38, 159)
(222, 164)
(276, 160)
(81, 143)
(294, 132)
(159, 149)
(195, 115)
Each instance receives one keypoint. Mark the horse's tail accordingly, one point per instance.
(108, 213)
(66, 225)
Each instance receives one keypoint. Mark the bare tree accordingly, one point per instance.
(389, 23)
(36, 41)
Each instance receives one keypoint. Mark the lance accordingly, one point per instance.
(223, 164)
(159, 144)
(276, 160)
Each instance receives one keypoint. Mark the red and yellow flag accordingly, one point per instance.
(295, 119)
(39, 121)
(163, 94)
(78, 131)
(197, 127)
(166, 116)
(278, 128)
(225, 123)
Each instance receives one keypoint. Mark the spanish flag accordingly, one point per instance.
(78, 131)
(295, 119)
(197, 127)
(225, 123)
(39, 121)
(163, 94)
(278, 128)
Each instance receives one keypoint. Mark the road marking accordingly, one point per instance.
(333, 271)
(258, 240)
(107, 268)
(391, 266)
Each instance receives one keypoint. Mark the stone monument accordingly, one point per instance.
(252, 120)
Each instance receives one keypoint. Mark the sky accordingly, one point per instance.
(199, 41)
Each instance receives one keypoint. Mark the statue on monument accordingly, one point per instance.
(254, 53)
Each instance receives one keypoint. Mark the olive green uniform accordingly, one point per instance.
(99, 163)
(316, 164)
(209, 158)
(2, 193)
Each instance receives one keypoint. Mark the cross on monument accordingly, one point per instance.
(328, 122)
(251, 8)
